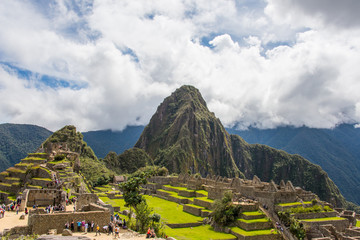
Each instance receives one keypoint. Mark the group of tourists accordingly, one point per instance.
(52, 209)
(112, 228)
(150, 233)
(82, 226)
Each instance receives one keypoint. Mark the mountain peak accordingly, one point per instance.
(184, 135)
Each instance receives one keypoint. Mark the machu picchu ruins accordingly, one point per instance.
(50, 177)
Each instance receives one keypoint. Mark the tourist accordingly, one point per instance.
(89, 226)
(124, 225)
(83, 225)
(79, 226)
(110, 229)
(26, 211)
(97, 230)
(92, 226)
(105, 228)
(72, 225)
(117, 231)
(67, 225)
(148, 233)
(86, 227)
(153, 235)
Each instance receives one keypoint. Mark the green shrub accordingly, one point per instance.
(224, 211)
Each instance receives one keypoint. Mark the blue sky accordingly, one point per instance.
(108, 64)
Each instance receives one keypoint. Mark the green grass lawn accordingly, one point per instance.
(197, 233)
(253, 233)
(322, 219)
(357, 223)
(170, 212)
(115, 202)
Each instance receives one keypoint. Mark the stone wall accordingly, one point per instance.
(42, 223)
(86, 199)
(340, 225)
(314, 215)
(45, 197)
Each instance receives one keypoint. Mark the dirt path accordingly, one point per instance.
(11, 219)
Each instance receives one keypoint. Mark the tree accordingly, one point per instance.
(131, 191)
(143, 218)
(224, 211)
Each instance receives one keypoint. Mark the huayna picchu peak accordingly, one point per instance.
(183, 135)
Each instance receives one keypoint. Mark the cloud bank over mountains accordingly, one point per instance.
(108, 64)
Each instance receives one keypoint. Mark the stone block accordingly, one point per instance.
(66, 232)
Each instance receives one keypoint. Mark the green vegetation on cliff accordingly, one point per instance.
(17, 140)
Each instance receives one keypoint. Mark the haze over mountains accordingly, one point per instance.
(336, 150)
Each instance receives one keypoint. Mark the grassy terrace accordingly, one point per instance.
(12, 178)
(205, 199)
(5, 184)
(357, 223)
(175, 194)
(4, 192)
(198, 233)
(202, 192)
(12, 169)
(4, 173)
(292, 204)
(23, 164)
(254, 220)
(179, 188)
(253, 233)
(43, 179)
(171, 212)
(195, 206)
(256, 213)
(322, 219)
(33, 159)
(114, 202)
(34, 186)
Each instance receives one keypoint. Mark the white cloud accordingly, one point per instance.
(126, 56)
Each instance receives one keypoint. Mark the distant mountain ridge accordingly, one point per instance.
(17, 140)
(104, 141)
(336, 150)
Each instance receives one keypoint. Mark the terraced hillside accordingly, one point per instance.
(40, 171)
